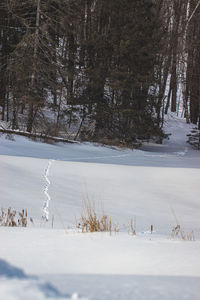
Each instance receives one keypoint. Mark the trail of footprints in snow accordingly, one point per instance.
(48, 198)
(46, 176)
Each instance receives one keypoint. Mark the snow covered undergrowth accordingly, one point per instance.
(158, 185)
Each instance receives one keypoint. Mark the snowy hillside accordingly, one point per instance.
(157, 185)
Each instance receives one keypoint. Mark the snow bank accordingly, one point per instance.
(16, 285)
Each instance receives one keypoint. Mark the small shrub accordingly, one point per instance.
(12, 218)
(90, 221)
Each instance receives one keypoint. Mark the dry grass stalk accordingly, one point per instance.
(90, 221)
(132, 227)
(9, 218)
(177, 232)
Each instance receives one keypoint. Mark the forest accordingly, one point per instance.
(105, 71)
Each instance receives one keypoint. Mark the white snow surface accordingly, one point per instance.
(157, 185)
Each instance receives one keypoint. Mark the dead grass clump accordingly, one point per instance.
(177, 232)
(12, 218)
(90, 221)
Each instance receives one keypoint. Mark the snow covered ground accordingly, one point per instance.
(157, 185)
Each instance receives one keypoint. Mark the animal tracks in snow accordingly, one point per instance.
(45, 215)
(46, 191)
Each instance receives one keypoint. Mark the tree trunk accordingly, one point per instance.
(31, 101)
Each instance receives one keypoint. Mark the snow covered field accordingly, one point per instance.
(157, 185)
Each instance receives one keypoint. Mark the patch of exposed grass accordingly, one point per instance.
(12, 218)
(178, 232)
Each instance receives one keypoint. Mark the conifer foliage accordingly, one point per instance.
(105, 63)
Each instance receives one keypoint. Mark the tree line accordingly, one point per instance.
(114, 65)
